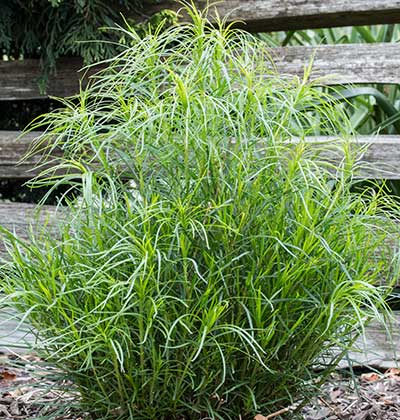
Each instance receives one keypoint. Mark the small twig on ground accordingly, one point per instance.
(272, 415)
(332, 408)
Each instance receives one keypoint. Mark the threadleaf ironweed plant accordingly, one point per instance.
(211, 262)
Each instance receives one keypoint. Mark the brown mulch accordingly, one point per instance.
(29, 391)
(368, 396)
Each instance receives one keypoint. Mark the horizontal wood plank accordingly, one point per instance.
(277, 15)
(379, 347)
(375, 348)
(17, 217)
(337, 64)
(381, 157)
(12, 149)
(19, 79)
(342, 64)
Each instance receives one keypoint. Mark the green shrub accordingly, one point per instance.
(211, 262)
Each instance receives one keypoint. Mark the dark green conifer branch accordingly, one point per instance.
(49, 29)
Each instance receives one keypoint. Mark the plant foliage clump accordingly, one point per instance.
(214, 258)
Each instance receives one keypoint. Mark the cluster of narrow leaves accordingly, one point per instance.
(213, 258)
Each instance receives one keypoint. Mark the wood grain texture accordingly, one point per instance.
(378, 347)
(17, 217)
(12, 149)
(20, 79)
(342, 64)
(277, 15)
(337, 64)
(382, 155)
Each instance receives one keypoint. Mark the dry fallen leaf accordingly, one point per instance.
(6, 375)
(393, 373)
(370, 377)
(386, 401)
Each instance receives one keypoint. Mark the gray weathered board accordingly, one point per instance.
(18, 217)
(277, 15)
(13, 147)
(341, 64)
(382, 155)
(20, 79)
(332, 65)
(378, 348)
(15, 336)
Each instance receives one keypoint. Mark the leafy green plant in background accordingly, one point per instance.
(48, 29)
(214, 258)
(373, 109)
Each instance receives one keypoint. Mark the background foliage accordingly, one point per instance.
(48, 29)
(51, 28)
(372, 109)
